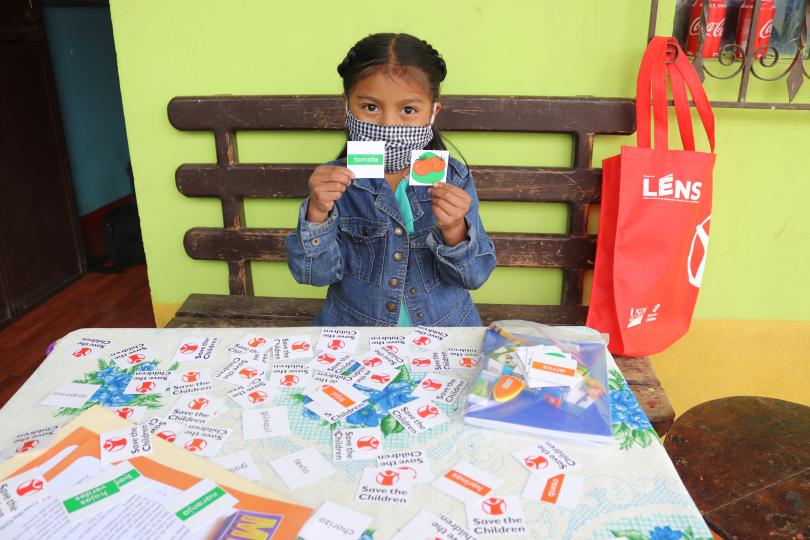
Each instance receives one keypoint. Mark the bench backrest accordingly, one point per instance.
(577, 186)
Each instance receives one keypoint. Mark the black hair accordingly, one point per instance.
(395, 50)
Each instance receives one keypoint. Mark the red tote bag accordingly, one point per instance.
(655, 214)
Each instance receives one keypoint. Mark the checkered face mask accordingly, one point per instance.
(399, 140)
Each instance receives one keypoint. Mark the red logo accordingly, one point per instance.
(421, 341)
(467, 362)
(191, 376)
(300, 346)
(248, 372)
(431, 385)
(392, 348)
(125, 412)
(387, 477)
(336, 345)
(428, 411)
(27, 445)
(114, 445)
(136, 358)
(197, 404)
(325, 358)
(257, 397)
(84, 351)
(167, 435)
(144, 387)
(288, 380)
(420, 362)
(195, 445)
(32, 486)
(380, 378)
(372, 362)
(494, 506)
(257, 342)
(188, 348)
(536, 462)
(368, 443)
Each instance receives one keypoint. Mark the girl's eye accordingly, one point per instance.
(409, 110)
(370, 107)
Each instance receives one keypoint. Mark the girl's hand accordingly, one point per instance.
(326, 185)
(450, 205)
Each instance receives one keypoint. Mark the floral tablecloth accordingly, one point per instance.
(631, 491)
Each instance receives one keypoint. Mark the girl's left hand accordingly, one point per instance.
(450, 205)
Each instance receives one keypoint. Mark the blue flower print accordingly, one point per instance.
(665, 533)
(394, 395)
(367, 416)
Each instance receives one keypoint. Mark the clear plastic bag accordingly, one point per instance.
(506, 396)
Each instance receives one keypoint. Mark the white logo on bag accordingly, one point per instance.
(669, 188)
(702, 235)
(637, 315)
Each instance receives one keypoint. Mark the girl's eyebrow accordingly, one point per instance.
(411, 99)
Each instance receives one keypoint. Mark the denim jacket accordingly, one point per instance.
(371, 264)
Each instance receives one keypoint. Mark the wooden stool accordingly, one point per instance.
(746, 463)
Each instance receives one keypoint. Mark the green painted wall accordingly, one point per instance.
(758, 255)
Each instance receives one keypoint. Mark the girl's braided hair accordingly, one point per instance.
(395, 51)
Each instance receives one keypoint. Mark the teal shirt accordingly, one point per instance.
(407, 217)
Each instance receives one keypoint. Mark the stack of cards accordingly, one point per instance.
(547, 365)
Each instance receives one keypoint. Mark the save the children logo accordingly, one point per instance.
(114, 445)
(144, 387)
(256, 342)
(195, 445)
(188, 348)
(368, 443)
(336, 345)
(288, 380)
(494, 506)
(167, 435)
(191, 376)
(380, 378)
(325, 358)
(387, 477)
(300, 346)
(431, 385)
(27, 445)
(198, 404)
(467, 362)
(420, 362)
(31, 486)
(248, 373)
(258, 396)
(696, 262)
(536, 462)
(134, 359)
(422, 341)
(427, 411)
(372, 362)
(84, 351)
(669, 188)
(125, 412)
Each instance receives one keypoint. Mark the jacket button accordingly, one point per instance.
(315, 241)
(390, 306)
(412, 290)
(420, 315)
(397, 256)
(365, 231)
(393, 282)
(399, 231)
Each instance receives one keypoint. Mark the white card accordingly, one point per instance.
(419, 415)
(424, 361)
(73, 395)
(290, 348)
(463, 358)
(336, 397)
(166, 429)
(133, 414)
(338, 340)
(263, 423)
(382, 356)
(196, 349)
(251, 354)
(331, 416)
(36, 439)
(252, 396)
(200, 504)
(21, 491)
(148, 382)
(497, 516)
(88, 348)
(561, 489)
(203, 440)
(366, 159)
(126, 443)
(384, 485)
(412, 462)
(427, 337)
(545, 458)
(395, 344)
(355, 444)
(189, 380)
(289, 375)
(467, 483)
(132, 356)
(196, 409)
(254, 343)
(560, 370)
(427, 525)
(428, 167)
(335, 522)
(111, 487)
(440, 388)
(302, 468)
(240, 463)
(241, 370)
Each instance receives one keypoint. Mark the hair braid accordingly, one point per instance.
(439, 60)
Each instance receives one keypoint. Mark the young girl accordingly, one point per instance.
(392, 254)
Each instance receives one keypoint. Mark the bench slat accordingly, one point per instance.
(511, 249)
(459, 113)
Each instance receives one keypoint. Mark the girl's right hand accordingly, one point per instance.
(326, 185)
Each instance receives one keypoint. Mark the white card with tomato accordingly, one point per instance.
(428, 167)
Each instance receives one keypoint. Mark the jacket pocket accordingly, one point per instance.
(364, 240)
(426, 262)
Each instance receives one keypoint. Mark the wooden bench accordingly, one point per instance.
(578, 187)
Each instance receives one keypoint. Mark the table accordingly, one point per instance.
(632, 490)
(746, 462)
